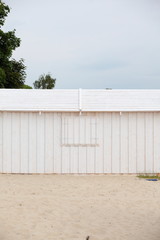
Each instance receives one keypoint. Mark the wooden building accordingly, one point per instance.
(79, 131)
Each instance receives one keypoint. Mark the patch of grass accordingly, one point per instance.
(148, 176)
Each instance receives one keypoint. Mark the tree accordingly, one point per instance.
(26, 87)
(45, 82)
(12, 72)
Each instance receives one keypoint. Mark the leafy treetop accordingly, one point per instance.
(12, 72)
(45, 82)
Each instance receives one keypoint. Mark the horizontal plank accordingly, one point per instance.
(71, 100)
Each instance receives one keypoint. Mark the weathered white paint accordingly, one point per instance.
(53, 142)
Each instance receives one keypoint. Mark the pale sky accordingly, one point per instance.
(89, 43)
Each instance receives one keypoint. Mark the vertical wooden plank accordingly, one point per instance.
(140, 143)
(58, 142)
(74, 159)
(82, 147)
(90, 154)
(65, 148)
(99, 136)
(88, 122)
(70, 129)
(74, 148)
(133, 141)
(124, 143)
(1, 142)
(64, 129)
(82, 129)
(107, 143)
(33, 142)
(16, 143)
(24, 139)
(65, 159)
(115, 142)
(93, 128)
(82, 168)
(76, 129)
(49, 143)
(71, 133)
(7, 142)
(156, 166)
(90, 159)
(40, 142)
(149, 142)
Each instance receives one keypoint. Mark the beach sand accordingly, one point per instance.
(45, 207)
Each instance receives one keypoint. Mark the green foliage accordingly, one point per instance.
(12, 72)
(4, 10)
(8, 43)
(26, 86)
(149, 176)
(2, 78)
(15, 74)
(45, 82)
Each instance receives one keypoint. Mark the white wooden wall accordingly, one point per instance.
(70, 143)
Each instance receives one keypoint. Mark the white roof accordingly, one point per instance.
(76, 100)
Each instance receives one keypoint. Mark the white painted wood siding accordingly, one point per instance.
(120, 100)
(94, 142)
(74, 100)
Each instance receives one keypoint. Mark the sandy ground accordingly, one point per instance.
(44, 207)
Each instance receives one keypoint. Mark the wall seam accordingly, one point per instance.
(11, 143)
(153, 164)
(44, 146)
(145, 142)
(128, 141)
(53, 163)
(111, 142)
(20, 143)
(2, 141)
(136, 145)
(120, 143)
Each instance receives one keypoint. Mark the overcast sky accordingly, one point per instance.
(89, 43)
